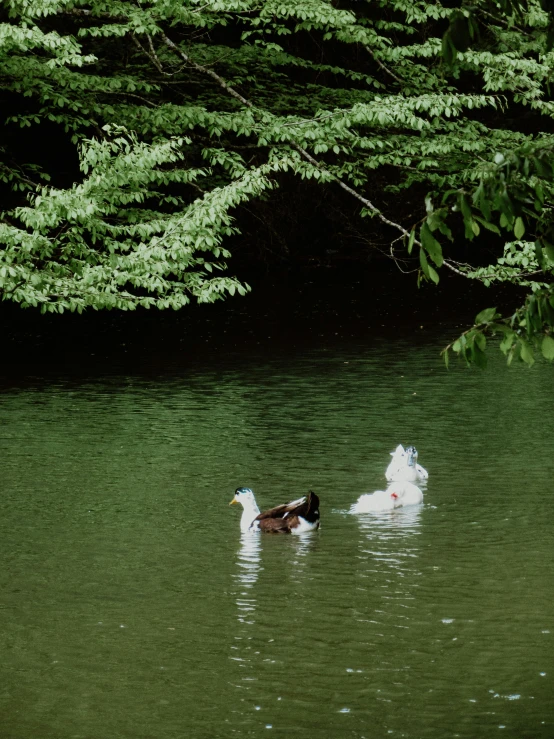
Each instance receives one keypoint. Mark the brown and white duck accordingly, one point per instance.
(296, 517)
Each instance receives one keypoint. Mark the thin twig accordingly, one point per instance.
(502, 22)
(382, 66)
(448, 264)
(305, 154)
(153, 58)
(246, 103)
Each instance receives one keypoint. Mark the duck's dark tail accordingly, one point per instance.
(309, 510)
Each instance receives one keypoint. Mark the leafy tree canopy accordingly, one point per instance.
(183, 111)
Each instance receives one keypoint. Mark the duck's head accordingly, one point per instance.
(243, 496)
(411, 453)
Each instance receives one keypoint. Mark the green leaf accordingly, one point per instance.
(547, 347)
(519, 228)
(539, 256)
(486, 315)
(478, 356)
(423, 262)
(501, 327)
(481, 198)
(411, 240)
(506, 207)
(512, 353)
(481, 341)
(431, 245)
(486, 224)
(527, 353)
(433, 274)
(465, 207)
(549, 250)
(443, 228)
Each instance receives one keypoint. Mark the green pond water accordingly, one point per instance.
(131, 607)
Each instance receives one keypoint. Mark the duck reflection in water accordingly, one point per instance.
(403, 521)
(248, 561)
(254, 602)
(388, 553)
(250, 566)
(242, 652)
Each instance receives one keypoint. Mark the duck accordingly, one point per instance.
(404, 466)
(297, 517)
(397, 495)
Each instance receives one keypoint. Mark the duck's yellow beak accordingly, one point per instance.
(233, 502)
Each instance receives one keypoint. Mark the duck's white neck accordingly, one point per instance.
(249, 513)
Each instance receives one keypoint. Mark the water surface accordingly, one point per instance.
(132, 607)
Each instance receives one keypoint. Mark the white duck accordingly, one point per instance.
(397, 495)
(404, 466)
(296, 517)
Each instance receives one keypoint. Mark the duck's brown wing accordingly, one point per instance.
(280, 511)
(307, 507)
(279, 525)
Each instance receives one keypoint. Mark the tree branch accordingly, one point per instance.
(382, 66)
(245, 102)
(305, 154)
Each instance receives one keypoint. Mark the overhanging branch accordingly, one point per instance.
(305, 154)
